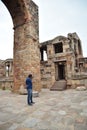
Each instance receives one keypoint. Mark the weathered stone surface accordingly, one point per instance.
(22, 90)
(35, 94)
(81, 88)
(23, 129)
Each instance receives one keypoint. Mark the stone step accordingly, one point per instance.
(59, 85)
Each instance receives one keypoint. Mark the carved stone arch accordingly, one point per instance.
(18, 10)
(26, 57)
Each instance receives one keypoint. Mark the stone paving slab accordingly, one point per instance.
(23, 129)
(53, 110)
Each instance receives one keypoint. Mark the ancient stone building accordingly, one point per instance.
(65, 66)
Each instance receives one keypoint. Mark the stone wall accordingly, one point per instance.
(6, 83)
(46, 76)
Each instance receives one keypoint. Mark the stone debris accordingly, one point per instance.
(81, 88)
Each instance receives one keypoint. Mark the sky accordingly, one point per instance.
(56, 17)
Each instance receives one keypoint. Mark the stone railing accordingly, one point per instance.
(6, 83)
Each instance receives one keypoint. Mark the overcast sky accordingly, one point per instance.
(56, 17)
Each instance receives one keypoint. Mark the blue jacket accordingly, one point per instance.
(28, 83)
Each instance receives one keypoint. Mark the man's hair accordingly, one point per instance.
(30, 75)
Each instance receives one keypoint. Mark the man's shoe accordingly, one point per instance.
(32, 102)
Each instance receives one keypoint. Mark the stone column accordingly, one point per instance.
(26, 50)
(26, 57)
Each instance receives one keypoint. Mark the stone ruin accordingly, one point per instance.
(65, 66)
(56, 64)
(62, 65)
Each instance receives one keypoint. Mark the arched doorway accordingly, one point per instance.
(26, 57)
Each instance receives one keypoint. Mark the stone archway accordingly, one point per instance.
(26, 57)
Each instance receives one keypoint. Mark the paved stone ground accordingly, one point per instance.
(53, 110)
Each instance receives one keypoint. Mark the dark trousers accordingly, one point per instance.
(29, 97)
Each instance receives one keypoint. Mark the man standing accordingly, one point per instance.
(29, 89)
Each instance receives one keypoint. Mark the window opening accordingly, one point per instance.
(58, 47)
(43, 51)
